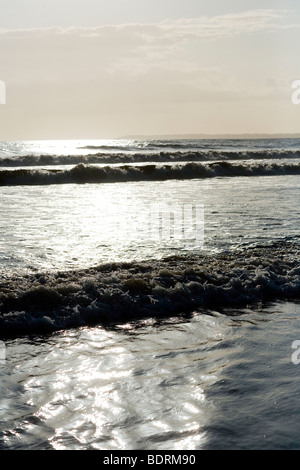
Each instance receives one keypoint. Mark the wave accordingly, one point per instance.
(112, 174)
(120, 292)
(159, 157)
(144, 144)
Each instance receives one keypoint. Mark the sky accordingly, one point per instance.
(89, 69)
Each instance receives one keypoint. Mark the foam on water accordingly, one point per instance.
(149, 351)
(118, 292)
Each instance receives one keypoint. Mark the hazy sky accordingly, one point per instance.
(100, 69)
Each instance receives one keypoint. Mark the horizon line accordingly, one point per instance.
(188, 136)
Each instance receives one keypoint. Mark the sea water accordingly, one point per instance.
(115, 339)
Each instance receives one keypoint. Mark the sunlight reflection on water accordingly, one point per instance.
(75, 226)
(177, 384)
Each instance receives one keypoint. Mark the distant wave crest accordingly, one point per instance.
(142, 157)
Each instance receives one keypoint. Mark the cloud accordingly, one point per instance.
(204, 27)
(129, 49)
(176, 68)
(224, 26)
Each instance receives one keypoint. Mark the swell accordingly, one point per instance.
(112, 174)
(46, 302)
(159, 157)
(138, 144)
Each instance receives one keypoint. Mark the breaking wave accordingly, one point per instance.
(119, 292)
(112, 174)
(159, 157)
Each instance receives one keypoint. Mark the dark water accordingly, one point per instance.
(148, 353)
(210, 381)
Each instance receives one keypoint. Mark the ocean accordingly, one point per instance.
(149, 294)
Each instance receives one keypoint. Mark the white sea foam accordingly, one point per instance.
(175, 285)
